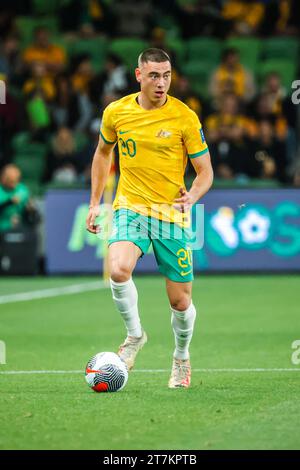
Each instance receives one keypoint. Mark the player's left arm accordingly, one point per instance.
(200, 186)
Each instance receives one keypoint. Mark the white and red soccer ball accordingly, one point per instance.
(106, 372)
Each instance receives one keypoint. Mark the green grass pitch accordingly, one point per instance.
(244, 322)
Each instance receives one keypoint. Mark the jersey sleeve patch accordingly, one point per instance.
(202, 136)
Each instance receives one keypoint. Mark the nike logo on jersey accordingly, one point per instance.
(123, 132)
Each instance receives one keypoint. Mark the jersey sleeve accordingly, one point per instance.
(107, 129)
(193, 136)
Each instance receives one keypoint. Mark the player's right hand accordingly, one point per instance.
(94, 211)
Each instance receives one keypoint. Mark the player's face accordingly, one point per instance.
(155, 80)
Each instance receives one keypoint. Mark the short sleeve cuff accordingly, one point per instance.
(107, 141)
(198, 154)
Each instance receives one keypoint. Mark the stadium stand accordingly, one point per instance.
(86, 35)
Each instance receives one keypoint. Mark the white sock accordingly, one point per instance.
(183, 326)
(126, 299)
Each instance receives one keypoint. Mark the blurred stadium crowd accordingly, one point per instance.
(234, 62)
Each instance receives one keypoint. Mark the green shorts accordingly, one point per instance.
(171, 243)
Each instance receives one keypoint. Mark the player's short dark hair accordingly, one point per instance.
(153, 55)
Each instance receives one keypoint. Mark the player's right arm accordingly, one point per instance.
(100, 170)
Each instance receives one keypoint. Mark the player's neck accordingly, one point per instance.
(145, 103)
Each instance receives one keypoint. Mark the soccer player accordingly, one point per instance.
(156, 133)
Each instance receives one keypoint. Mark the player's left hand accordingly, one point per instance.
(184, 202)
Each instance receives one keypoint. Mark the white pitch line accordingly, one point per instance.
(148, 371)
(225, 370)
(53, 292)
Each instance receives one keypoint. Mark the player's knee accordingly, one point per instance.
(120, 273)
(181, 303)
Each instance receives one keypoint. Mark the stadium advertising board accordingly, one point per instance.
(244, 230)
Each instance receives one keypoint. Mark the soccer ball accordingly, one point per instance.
(106, 372)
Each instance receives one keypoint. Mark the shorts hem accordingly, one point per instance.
(172, 278)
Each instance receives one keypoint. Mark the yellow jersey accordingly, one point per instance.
(153, 147)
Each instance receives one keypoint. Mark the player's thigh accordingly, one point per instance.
(179, 293)
(122, 258)
(175, 261)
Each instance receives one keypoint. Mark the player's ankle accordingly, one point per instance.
(181, 355)
(136, 332)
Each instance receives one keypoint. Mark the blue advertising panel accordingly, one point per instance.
(243, 230)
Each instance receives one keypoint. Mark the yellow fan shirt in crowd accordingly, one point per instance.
(51, 55)
(153, 147)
